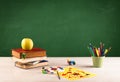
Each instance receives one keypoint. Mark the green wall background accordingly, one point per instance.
(62, 27)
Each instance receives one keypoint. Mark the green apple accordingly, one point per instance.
(27, 43)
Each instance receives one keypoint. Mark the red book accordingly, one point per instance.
(35, 52)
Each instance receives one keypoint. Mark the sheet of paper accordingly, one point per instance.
(72, 73)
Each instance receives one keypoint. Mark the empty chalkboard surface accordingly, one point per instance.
(62, 27)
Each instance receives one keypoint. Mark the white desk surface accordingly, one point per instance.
(110, 72)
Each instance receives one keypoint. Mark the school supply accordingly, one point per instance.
(27, 59)
(22, 54)
(72, 73)
(98, 52)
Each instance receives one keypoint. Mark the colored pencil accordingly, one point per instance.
(58, 75)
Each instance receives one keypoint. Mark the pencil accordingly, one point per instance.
(58, 75)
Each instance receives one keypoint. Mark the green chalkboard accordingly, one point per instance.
(62, 27)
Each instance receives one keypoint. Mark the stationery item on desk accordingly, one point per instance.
(90, 45)
(72, 73)
(101, 45)
(91, 51)
(51, 70)
(98, 52)
(98, 61)
(22, 54)
(94, 49)
(58, 75)
(71, 62)
(106, 51)
(109, 48)
(32, 62)
(102, 49)
(102, 52)
(28, 57)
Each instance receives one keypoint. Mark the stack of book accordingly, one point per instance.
(29, 58)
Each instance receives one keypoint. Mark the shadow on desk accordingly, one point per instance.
(86, 66)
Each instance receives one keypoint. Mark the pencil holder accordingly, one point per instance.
(98, 61)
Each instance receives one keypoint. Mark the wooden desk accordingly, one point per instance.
(110, 72)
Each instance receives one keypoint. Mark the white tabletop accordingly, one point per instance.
(110, 72)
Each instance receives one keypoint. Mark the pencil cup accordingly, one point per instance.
(98, 61)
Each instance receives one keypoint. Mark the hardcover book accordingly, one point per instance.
(22, 54)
